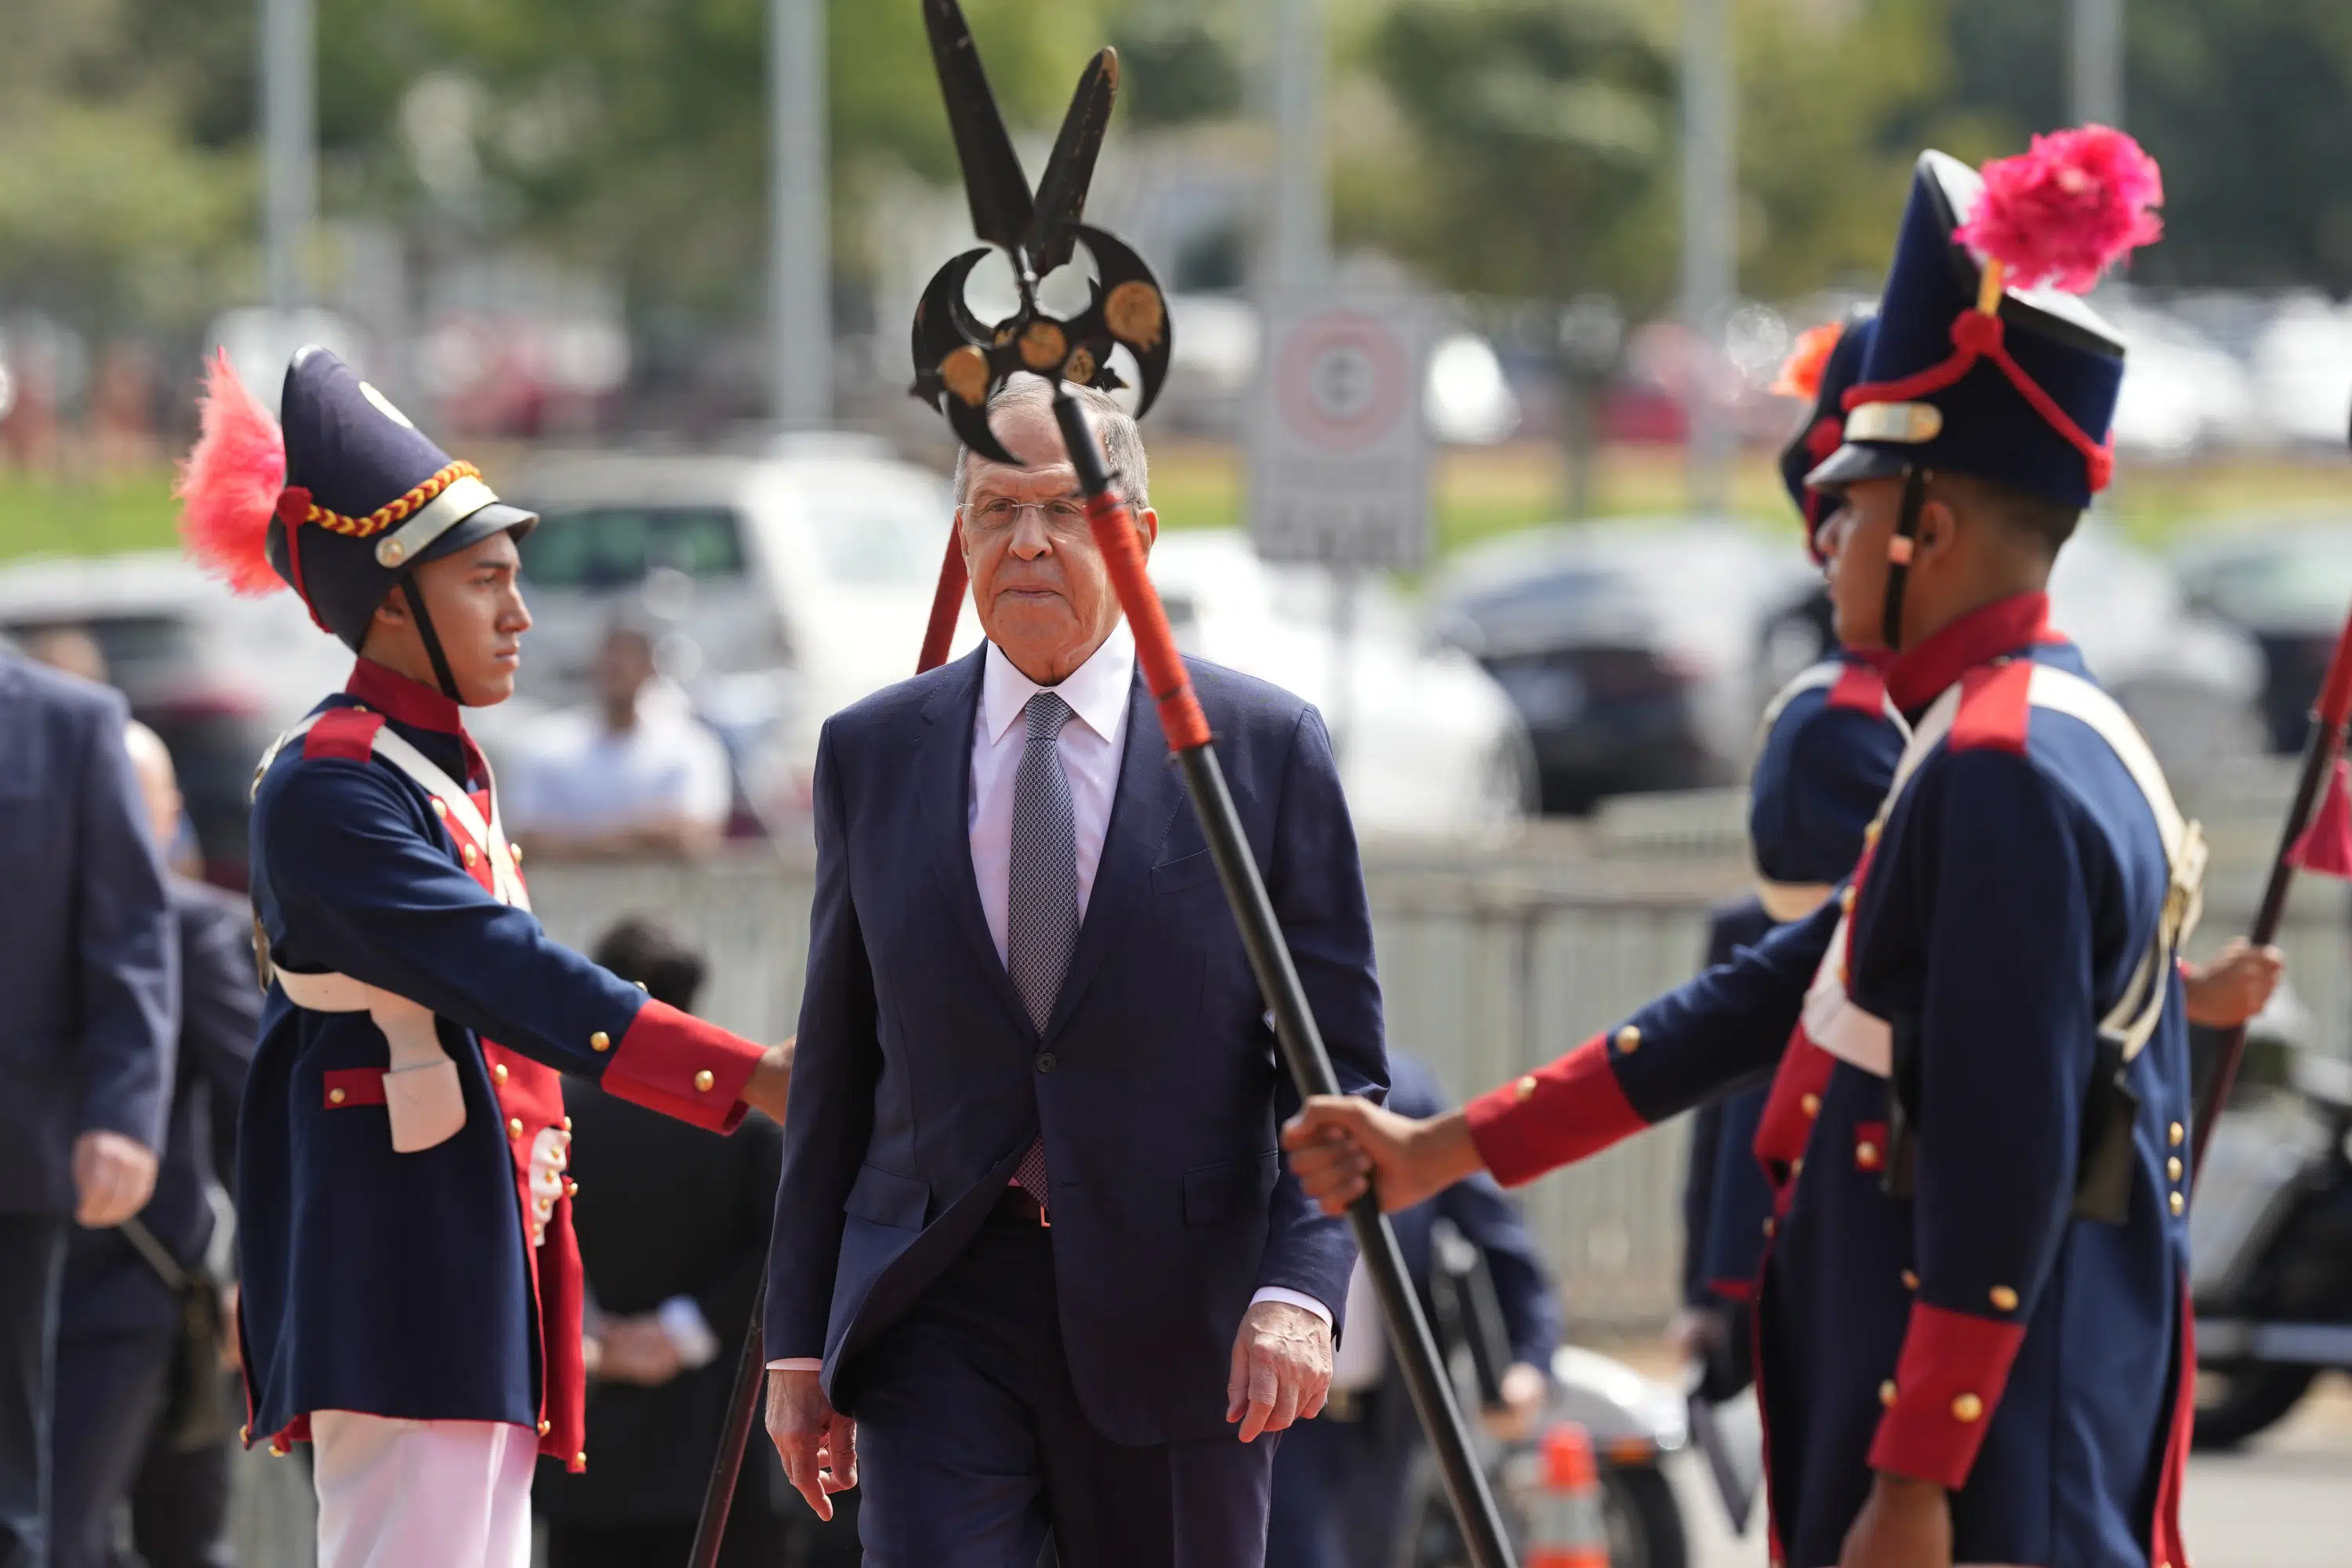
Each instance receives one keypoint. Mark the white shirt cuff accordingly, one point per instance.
(688, 1331)
(1295, 1298)
(797, 1363)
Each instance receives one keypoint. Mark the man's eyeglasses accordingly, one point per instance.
(1002, 514)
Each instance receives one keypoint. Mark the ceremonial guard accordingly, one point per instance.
(1830, 740)
(1974, 1342)
(411, 1286)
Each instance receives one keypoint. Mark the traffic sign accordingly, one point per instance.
(1338, 446)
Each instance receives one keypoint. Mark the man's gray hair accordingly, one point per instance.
(1115, 427)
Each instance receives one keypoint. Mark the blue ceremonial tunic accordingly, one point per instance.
(1829, 751)
(1976, 1333)
(433, 1284)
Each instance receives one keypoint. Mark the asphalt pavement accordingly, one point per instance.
(2284, 1502)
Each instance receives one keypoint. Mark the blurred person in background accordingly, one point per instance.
(673, 1228)
(1340, 1479)
(87, 961)
(71, 650)
(640, 776)
(142, 1415)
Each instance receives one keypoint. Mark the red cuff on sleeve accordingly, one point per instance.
(1556, 1115)
(675, 1063)
(1946, 1389)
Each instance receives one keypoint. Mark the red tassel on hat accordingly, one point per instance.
(2064, 211)
(2325, 846)
(230, 485)
(1801, 376)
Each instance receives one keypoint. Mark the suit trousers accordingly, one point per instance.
(406, 1494)
(971, 1444)
(1338, 1485)
(32, 1279)
(111, 1389)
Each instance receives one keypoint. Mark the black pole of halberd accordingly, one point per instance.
(742, 1400)
(1311, 1064)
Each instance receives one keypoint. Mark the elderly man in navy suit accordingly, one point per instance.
(87, 964)
(1038, 1263)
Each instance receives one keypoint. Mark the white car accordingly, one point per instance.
(1427, 741)
(777, 587)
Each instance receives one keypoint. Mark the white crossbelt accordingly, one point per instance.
(1786, 901)
(421, 1096)
(1833, 1021)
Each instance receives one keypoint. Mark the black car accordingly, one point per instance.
(1629, 648)
(2287, 581)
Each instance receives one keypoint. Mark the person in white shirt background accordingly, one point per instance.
(638, 776)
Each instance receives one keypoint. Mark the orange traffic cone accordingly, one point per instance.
(1562, 1499)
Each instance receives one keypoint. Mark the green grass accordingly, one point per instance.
(1197, 484)
(44, 515)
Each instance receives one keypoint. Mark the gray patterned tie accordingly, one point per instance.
(1041, 895)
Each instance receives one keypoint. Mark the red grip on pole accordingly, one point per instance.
(2336, 693)
(947, 606)
(1155, 645)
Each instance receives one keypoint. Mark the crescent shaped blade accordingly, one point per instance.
(971, 425)
(1070, 171)
(1134, 309)
(943, 323)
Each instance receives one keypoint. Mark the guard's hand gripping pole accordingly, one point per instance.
(1302, 1043)
(2329, 720)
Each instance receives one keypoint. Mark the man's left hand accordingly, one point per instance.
(113, 1178)
(1281, 1371)
(1906, 1524)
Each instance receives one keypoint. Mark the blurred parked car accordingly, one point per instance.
(2288, 582)
(1629, 648)
(778, 588)
(216, 675)
(1427, 741)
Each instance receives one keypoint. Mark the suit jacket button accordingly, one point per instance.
(1811, 1105)
(335, 1097)
(2172, 1167)
(1045, 1062)
(2179, 1203)
(703, 1080)
(1525, 1089)
(2177, 1133)
(514, 1127)
(545, 1427)
(1887, 1393)
(600, 1041)
(440, 806)
(499, 1073)
(472, 855)
(1967, 1407)
(1629, 1040)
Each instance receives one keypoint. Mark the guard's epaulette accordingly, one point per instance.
(1861, 690)
(1995, 705)
(348, 733)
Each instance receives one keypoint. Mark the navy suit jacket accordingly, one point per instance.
(108, 1284)
(920, 1079)
(87, 959)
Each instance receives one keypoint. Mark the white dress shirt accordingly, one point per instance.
(1091, 749)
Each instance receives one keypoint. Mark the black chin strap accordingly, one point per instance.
(1898, 562)
(431, 638)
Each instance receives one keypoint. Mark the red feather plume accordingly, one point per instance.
(1801, 376)
(2067, 209)
(229, 484)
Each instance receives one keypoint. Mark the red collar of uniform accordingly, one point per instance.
(395, 696)
(1919, 675)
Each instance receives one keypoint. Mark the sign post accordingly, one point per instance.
(1338, 446)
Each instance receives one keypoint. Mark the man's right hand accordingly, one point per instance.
(1340, 1144)
(817, 1444)
(113, 1178)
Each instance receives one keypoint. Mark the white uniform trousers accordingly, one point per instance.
(421, 1494)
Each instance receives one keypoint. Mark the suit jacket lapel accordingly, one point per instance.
(1150, 791)
(945, 791)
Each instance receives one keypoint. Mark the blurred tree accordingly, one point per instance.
(112, 215)
(2247, 105)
